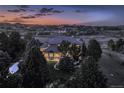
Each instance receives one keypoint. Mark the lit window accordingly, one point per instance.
(51, 56)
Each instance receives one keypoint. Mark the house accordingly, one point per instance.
(50, 47)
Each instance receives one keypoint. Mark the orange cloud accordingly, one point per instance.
(45, 20)
(51, 21)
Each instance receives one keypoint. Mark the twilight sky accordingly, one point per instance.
(69, 14)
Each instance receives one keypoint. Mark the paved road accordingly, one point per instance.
(111, 66)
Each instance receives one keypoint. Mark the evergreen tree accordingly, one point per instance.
(5, 62)
(111, 45)
(3, 42)
(16, 45)
(28, 36)
(119, 44)
(66, 64)
(74, 51)
(64, 47)
(94, 49)
(88, 76)
(12, 81)
(83, 51)
(34, 69)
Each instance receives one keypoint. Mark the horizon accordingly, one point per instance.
(94, 15)
(62, 25)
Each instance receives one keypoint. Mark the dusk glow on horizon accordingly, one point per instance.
(56, 15)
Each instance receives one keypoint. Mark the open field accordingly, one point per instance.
(111, 66)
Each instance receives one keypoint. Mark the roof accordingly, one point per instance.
(42, 39)
(52, 48)
(52, 44)
(45, 45)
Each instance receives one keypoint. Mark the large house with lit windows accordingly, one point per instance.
(50, 47)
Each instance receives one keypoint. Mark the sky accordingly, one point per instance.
(58, 14)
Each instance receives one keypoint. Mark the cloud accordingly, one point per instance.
(28, 17)
(33, 16)
(57, 11)
(2, 16)
(47, 12)
(50, 10)
(17, 10)
(38, 15)
(15, 20)
(22, 10)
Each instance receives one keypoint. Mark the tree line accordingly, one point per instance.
(116, 45)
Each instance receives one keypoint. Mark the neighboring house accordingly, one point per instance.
(50, 47)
